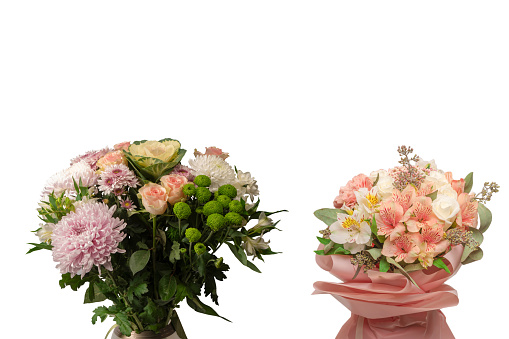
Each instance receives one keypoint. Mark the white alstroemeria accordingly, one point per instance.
(368, 201)
(351, 230)
(246, 184)
(263, 222)
(427, 164)
(251, 245)
(45, 232)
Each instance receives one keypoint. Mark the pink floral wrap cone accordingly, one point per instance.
(388, 305)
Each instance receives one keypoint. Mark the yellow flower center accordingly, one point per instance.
(372, 199)
(349, 222)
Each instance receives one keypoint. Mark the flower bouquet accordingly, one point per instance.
(394, 238)
(140, 229)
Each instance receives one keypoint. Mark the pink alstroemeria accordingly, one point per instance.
(432, 244)
(404, 198)
(468, 211)
(419, 214)
(405, 247)
(388, 220)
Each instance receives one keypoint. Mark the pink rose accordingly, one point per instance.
(154, 198)
(112, 158)
(122, 146)
(173, 184)
(346, 193)
(212, 151)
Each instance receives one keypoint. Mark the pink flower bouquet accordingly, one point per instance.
(142, 230)
(394, 238)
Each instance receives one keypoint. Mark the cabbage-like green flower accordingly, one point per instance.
(153, 159)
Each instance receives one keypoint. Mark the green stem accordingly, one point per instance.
(154, 231)
(138, 322)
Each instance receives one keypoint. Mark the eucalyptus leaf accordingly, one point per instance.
(328, 215)
(474, 256)
(405, 273)
(433, 195)
(469, 182)
(485, 217)
(139, 260)
(375, 252)
(478, 237)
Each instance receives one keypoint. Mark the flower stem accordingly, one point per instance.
(154, 231)
(138, 322)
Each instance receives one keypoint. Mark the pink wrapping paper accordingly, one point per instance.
(388, 305)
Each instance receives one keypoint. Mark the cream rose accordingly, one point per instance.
(437, 179)
(165, 151)
(112, 158)
(154, 198)
(385, 183)
(446, 208)
(173, 184)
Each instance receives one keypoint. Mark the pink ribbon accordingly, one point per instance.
(388, 305)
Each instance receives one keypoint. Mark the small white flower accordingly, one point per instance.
(45, 232)
(351, 230)
(263, 222)
(251, 245)
(246, 184)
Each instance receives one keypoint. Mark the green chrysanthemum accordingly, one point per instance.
(224, 200)
(233, 218)
(203, 194)
(193, 234)
(182, 210)
(228, 190)
(212, 207)
(216, 221)
(236, 206)
(189, 189)
(200, 248)
(202, 181)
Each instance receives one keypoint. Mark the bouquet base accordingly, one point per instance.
(166, 333)
(424, 325)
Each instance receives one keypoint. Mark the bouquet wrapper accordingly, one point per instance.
(389, 305)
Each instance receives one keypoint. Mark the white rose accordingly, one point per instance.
(385, 183)
(437, 179)
(449, 191)
(446, 208)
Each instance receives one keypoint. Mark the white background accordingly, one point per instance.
(303, 94)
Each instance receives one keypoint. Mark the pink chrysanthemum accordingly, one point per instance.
(115, 178)
(184, 171)
(87, 237)
(91, 157)
(64, 180)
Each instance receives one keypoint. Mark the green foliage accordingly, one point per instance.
(438, 262)
(485, 217)
(469, 182)
(139, 260)
(328, 215)
(384, 265)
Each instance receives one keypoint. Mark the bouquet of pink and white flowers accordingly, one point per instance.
(414, 220)
(142, 230)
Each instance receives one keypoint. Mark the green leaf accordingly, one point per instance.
(100, 312)
(93, 294)
(478, 237)
(474, 256)
(138, 261)
(328, 247)
(328, 215)
(384, 265)
(136, 289)
(376, 180)
(375, 252)
(374, 230)
(438, 262)
(357, 272)
(469, 182)
(74, 282)
(175, 252)
(177, 325)
(238, 252)
(123, 323)
(433, 195)
(167, 287)
(485, 217)
(323, 240)
(253, 267)
(41, 246)
(200, 307)
(405, 273)
(181, 293)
